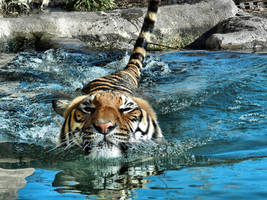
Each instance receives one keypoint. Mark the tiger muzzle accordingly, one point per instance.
(105, 128)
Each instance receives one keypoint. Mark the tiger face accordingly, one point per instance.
(104, 124)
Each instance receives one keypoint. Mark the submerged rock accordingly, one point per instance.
(115, 29)
(242, 32)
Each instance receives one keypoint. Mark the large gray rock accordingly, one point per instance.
(113, 29)
(189, 18)
(11, 180)
(241, 32)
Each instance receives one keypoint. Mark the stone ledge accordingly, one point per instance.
(242, 32)
(113, 29)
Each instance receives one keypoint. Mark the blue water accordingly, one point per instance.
(211, 107)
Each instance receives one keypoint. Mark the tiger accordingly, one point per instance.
(108, 117)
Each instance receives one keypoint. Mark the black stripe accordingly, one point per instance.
(123, 147)
(140, 117)
(128, 103)
(118, 82)
(148, 125)
(126, 76)
(70, 134)
(134, 63)
(141, 42)
(86, 103)
(153, 6)
(91, 90)
(95, 83)
(148, 25)
(114, 79)
(104, 79)
(88, 148)
(69, 121)
(135, 117)
(95, 88)
(155, 134)
(129, 78)
(62, 135)
(112, 87)
(138, 56)
(121, 134)
(110, 83)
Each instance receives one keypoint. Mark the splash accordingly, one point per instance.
(199, 98)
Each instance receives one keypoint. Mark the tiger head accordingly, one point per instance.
(104, 123)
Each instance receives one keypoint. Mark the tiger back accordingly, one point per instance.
(108, 118)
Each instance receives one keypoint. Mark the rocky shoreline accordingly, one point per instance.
(200, 25)
(243, 32)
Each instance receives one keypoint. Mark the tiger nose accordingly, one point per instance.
(104, 127)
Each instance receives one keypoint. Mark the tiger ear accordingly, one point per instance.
(60, 106)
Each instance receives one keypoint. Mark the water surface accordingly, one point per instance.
(211, 107)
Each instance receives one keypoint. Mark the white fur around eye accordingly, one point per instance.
(87, 106)
(128, 104)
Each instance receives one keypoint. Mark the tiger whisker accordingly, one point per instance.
(58, 147)
(82, 135)
(70, 144)
(66, 144)
(53, 149)
(85, 146)
(73, 140)
(119, 140)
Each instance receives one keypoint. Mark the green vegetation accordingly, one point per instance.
(14, 8)
(181, 40)
(90, 5)
(178, 41)
(9, 8)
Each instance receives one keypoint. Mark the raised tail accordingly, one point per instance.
(127, 79)
(135, 63)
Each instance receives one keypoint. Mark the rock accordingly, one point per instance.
(4, 59)
(241, 32)
(11, 180)
(63, 43)
(192, 19)
(112, 29)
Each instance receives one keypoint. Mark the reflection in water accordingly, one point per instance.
(104, 179)
(116, 182)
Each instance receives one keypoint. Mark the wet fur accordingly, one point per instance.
(108, 118)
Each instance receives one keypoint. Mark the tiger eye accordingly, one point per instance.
(126, 110)
(89, 109)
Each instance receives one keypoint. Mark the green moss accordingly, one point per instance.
(178, 41)
(14, 8)
(181, 40)
(19, 42)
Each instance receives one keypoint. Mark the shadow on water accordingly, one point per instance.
(211, 107)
